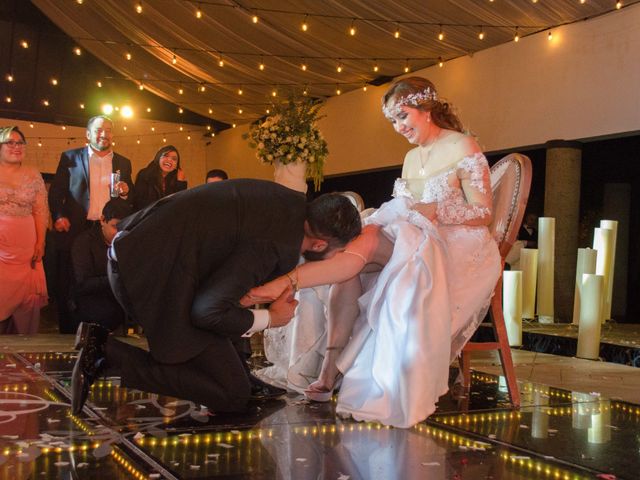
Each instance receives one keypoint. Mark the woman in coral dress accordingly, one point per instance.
(23, 220)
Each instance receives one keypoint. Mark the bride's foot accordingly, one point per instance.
(329, 379)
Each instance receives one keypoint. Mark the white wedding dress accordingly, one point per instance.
(416, 314)
(420, 310)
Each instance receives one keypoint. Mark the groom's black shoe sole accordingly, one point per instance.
(90, 364)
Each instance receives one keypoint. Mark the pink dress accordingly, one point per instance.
(23, 289)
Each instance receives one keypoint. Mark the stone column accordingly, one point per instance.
(562, 201)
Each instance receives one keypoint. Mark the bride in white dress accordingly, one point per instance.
(427, 266)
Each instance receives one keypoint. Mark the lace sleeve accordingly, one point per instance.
(474, 202)
(401, 188)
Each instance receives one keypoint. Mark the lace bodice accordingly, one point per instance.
(453, 207)
(28, 197)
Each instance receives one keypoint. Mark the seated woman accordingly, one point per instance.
(163, 176)
(427, 266)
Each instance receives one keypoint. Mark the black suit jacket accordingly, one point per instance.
(69, 192)
(187, 259)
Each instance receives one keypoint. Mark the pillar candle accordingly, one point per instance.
(606, 306)
(512, 305)
(586, 264)
(546, 262)
(529, 268)
(590, 316)
(602, 242)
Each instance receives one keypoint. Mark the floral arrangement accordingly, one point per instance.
(290, 135)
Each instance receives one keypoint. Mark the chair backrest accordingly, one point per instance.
(511, 182)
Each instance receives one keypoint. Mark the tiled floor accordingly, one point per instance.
(561, 431)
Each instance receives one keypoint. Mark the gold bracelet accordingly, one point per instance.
(292, 280)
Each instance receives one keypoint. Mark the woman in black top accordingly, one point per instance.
(163, 176)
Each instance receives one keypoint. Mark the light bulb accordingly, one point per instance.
(139, 7)
(198, 13)
(254, 19)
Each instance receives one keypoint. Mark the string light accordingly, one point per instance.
(153, 129)
(31, 125)
(220, 62)
(164, 140)
(127, 56)
(618, 5)
(582, 2)
(99, 84)
(305, 91)
(406, 66)
(7, 99)
(441, 34)
(180, 110)
(254, 19)
(45, 102)
(339, 67)
(440, 62)
(174, 59)
(181, 129)
(198, 12)
(138, 141)
(54, 81)
(305, 25)
(233, 125)
(210, 111)
(240, 91)
(180, 91)
(274, 93)
(202, 88)
(188, 137)
(338, 91)
(149, 111)
(303, 66)
(81, 106)
(352, 28)
(516, 37)
(139, 7)
(24, 44)
(9, 77)
(141, 87)
(364, 87)
(77, 51)
(240, 111)
(39, 142)
(375, 67)
(481, 34)
(79, 2)
(550, 36)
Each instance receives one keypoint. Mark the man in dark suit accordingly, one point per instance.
(180, 267)
(81, 187)
(528, 231)
(92, 298)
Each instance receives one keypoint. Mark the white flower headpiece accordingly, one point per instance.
(411, 100)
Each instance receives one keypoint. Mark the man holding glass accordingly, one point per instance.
(85, 180)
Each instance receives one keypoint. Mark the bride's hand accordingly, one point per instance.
(266, 293)
(427, 210)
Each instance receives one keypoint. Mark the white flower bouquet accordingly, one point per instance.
(290, 135)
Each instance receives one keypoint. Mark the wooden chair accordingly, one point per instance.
(510, 181)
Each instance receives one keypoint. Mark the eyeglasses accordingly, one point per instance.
(14, 144)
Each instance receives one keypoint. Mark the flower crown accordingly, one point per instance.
(411, 100)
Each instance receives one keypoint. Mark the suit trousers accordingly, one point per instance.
(216, 377)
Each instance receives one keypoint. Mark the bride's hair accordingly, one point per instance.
(423, 95)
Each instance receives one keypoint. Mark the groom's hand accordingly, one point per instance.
(283, 308)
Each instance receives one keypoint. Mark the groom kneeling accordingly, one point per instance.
(179, 268)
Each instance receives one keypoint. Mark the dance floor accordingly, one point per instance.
(126, 434)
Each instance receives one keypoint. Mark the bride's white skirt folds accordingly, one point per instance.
(415, 316)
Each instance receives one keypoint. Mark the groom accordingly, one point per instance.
(179, 268)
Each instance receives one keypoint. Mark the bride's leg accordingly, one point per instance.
(342, 313)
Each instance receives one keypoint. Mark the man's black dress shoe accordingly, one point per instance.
(90, 364)
(263, 391)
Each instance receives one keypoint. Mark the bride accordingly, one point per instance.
(410, 291)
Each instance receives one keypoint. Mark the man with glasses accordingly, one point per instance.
(84, 182)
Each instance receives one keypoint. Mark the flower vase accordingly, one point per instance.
(292, 175)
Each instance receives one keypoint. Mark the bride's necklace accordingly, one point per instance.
(425, 154)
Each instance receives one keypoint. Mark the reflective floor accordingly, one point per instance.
(125, 434)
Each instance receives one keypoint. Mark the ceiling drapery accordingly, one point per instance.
(171, 52)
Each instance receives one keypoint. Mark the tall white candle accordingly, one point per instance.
(590, 316)
(608, 295)
(512, 305)
(586, 264)
(546, 263)
(602, 242)
(529, 268)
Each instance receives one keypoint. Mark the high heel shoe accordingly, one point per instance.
(325, 394)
